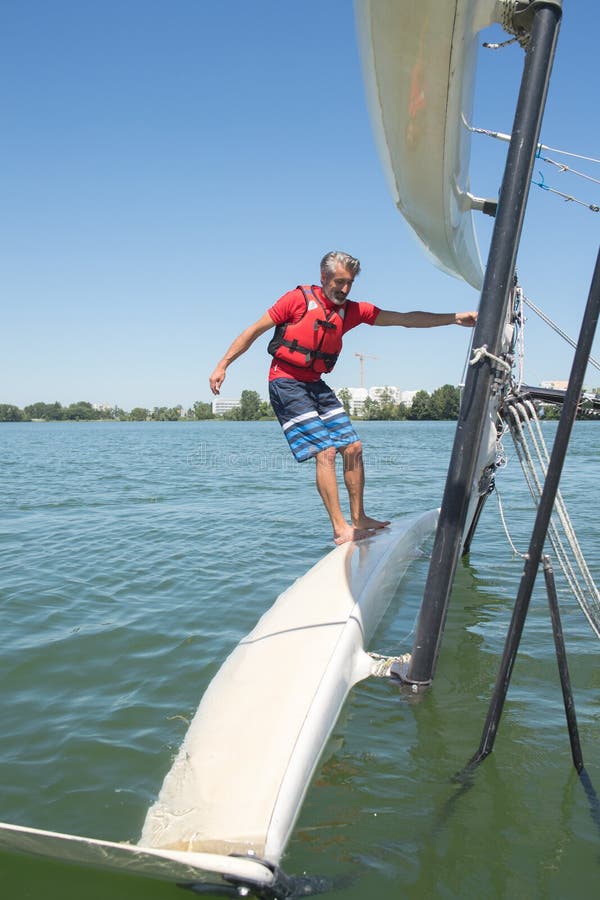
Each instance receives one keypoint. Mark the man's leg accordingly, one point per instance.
(354, 478)
(309, 435)
(328, 489)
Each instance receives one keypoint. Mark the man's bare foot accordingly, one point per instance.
(350, 533)
(367, 522)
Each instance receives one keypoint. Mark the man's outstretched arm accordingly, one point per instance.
(242, 343)
(419, 319)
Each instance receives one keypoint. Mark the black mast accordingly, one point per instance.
(488, 333)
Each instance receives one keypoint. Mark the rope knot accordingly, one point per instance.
(482, 352)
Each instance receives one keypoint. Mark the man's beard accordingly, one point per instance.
(339, 299)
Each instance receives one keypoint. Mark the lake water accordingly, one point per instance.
(133, 558)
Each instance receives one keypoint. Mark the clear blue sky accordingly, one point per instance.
(169, 169)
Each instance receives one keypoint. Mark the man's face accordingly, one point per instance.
(337, 286)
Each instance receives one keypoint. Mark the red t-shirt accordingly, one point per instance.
(292, 306)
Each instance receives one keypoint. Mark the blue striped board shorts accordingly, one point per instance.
(311, 416)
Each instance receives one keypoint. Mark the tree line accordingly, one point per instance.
(251, 407)
(83, 410)
(442, 404)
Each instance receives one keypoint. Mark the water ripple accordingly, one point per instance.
(133, 557)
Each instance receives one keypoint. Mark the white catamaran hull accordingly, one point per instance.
(165, 865)
(238, 781)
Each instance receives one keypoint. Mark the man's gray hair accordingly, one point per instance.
(337, 257)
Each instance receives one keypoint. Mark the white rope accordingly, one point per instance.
(383, 664)
(482, 352)
(509, 8)
(534, 470)
(520, 323)
(529, 416)
(563, 514)
(505, 526)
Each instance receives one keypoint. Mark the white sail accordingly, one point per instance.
(419, 69)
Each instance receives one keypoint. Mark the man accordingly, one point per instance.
(310, 322)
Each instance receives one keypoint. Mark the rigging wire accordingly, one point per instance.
(499, 45)
(519, 416)
(567, 197)
(562, 167)
(591, 159)
(561, 532)
(501, 136)
(555, 327)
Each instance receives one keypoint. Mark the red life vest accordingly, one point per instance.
(315, 341)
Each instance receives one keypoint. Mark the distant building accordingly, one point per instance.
(407, 397)
(220, 406)
(358, 395)
(103, 407)
(376, 393)
(555, 385)
(357, 399)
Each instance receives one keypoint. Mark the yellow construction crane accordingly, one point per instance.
(362, 357)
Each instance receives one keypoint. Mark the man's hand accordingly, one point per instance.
(239, 346)
(217, 378)
(468, 319)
